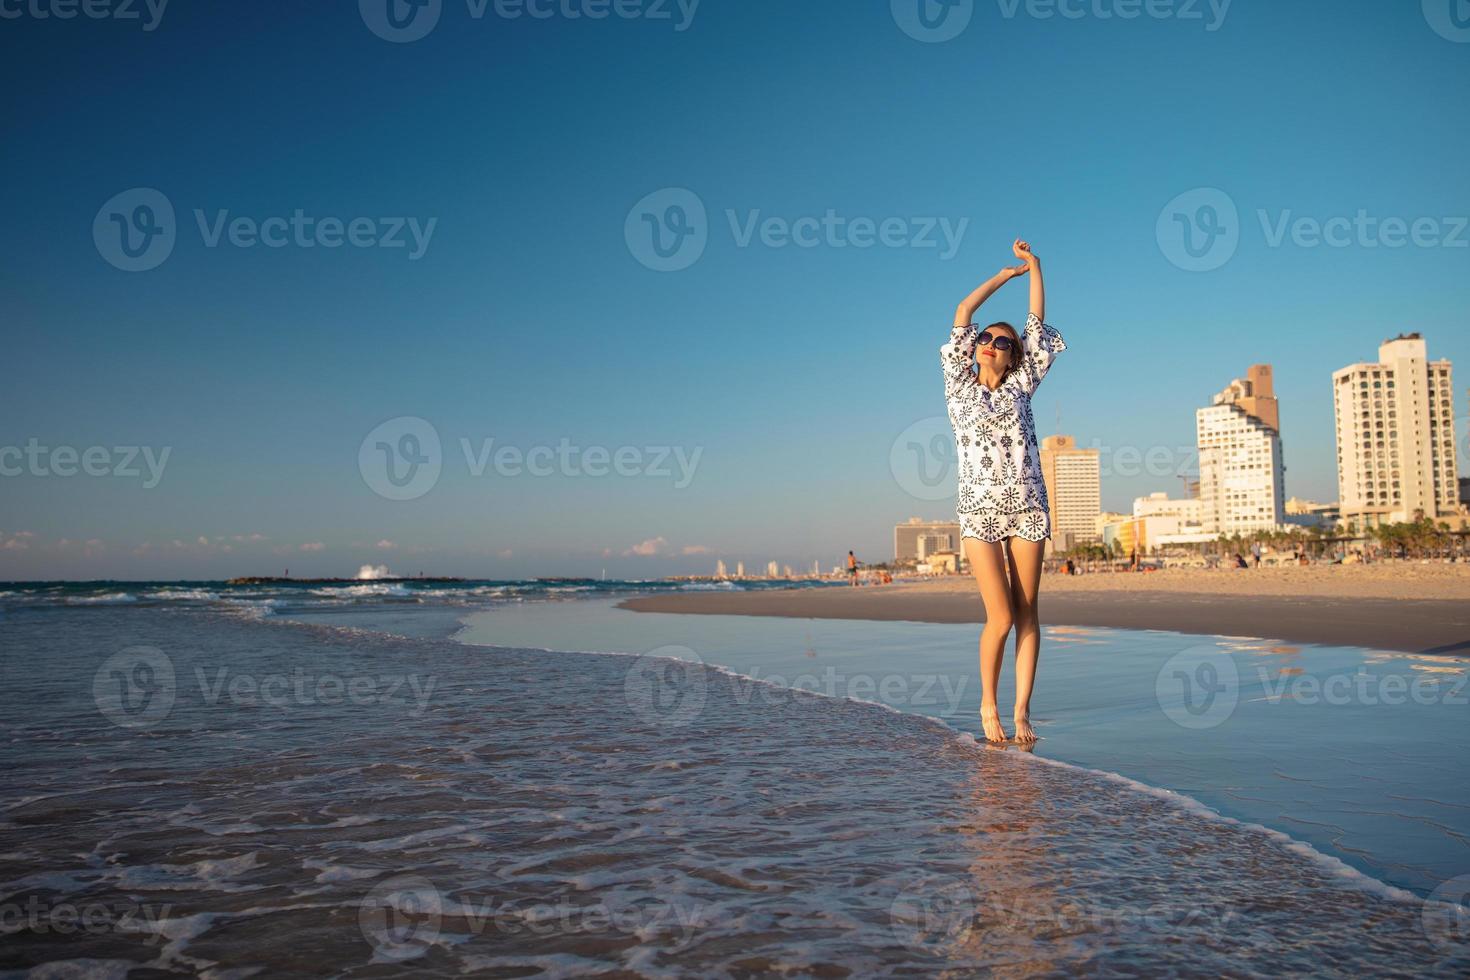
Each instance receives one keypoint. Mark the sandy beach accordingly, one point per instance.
(1422, 608)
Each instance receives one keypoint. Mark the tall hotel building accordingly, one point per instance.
(1395, 436)
(1241, 471)
(1073, 491)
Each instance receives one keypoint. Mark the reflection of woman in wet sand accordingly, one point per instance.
(989, 377)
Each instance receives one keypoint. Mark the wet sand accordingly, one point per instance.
(1415, 608)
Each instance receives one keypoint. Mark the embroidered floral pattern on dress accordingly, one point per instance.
(1001, 492)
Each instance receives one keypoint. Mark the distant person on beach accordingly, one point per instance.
(1256, 552)
(990, 375)
(852, 564)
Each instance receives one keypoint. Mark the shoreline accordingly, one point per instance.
(1266, 607)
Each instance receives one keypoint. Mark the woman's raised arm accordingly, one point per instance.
(1040, 343)
(1033, 265)
(965, 312)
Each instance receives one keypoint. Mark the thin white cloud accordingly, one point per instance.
(385, 545)
(649, 548)
(313, 546)
(695, 549)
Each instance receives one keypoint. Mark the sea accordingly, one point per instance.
(516, 779)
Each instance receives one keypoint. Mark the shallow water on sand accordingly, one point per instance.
(304, 800)
(1357, 752)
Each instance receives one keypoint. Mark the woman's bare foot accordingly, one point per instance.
(1024, 731)
(990, 719)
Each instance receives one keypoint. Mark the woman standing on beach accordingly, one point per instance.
(989, 378)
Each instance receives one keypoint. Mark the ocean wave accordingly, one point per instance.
(105, 599)
(366, 590)
(184, 595)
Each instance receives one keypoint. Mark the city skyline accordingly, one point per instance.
(1246, 402)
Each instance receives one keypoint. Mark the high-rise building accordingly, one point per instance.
(720, 569)
(1073, 491)
(918, 539)
(1242, 476)
(1395, 436)
(740, 569)
(772, 571)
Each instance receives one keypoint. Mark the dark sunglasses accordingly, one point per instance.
(1000, 340)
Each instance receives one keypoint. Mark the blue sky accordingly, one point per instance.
(527, 312)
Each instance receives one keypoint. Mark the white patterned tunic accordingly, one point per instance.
(1001, 492)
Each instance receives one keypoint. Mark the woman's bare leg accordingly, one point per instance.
(988, 564)
(1025, 565)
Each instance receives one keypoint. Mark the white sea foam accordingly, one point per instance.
(106, 599)
(394, 589)
(184, 595)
